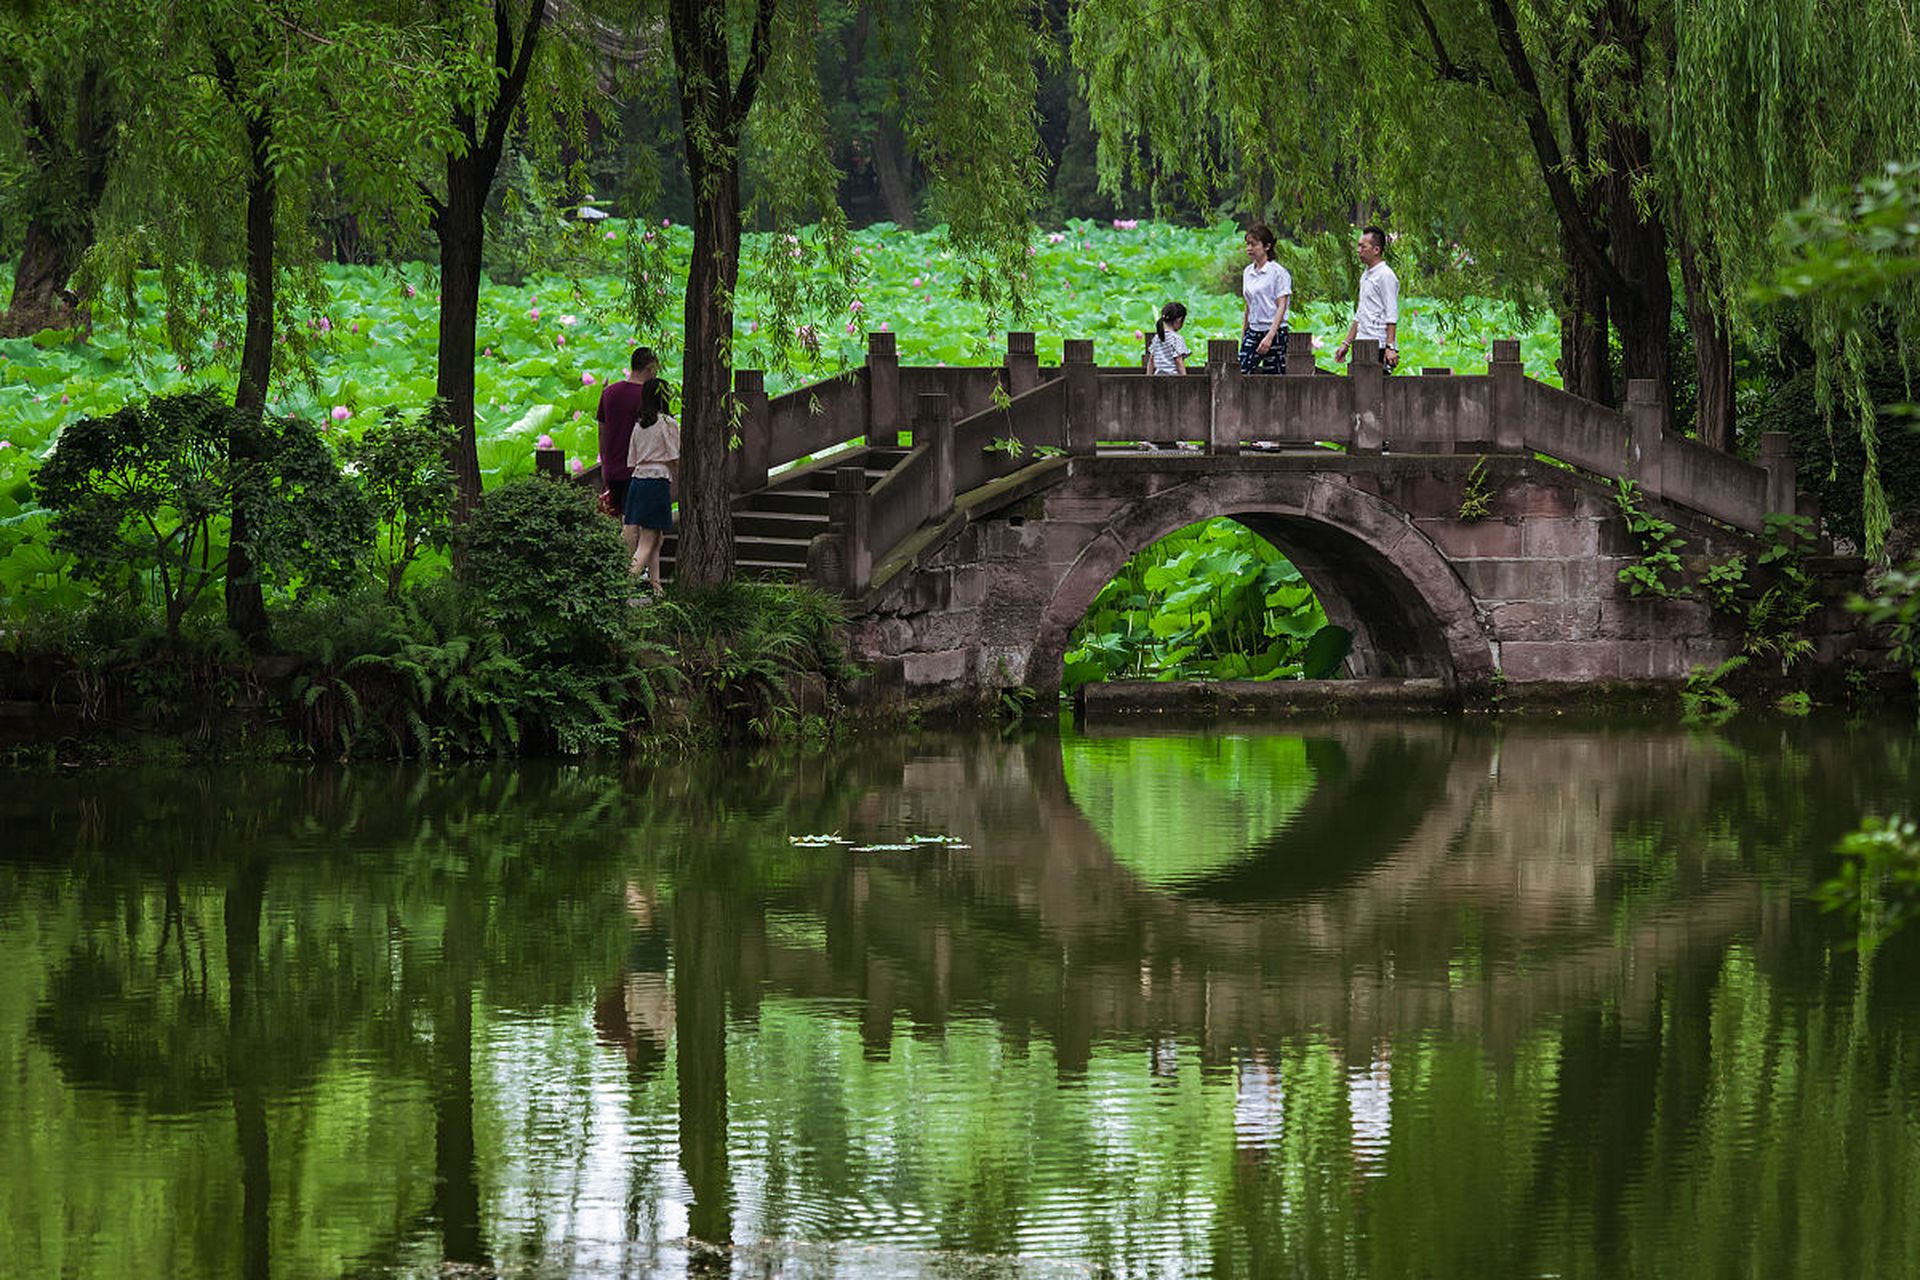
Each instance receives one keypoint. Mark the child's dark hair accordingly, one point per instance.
(1172, 313)
(656, 398)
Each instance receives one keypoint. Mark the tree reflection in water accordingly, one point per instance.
(1359, 999)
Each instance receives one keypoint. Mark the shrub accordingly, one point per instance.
(547, 569)
(744, 643)
(402, 468)
(147, 494)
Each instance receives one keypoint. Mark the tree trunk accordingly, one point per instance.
(246, 603)
(460, 224)
(1713, 419)
(705, 554)
(73, 177)
(892, 170)
(47, 261)
(461, 227)
(1642, 308)
(1586, 365)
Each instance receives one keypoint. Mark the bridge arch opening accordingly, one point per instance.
(1214, 600)
(1373, 574)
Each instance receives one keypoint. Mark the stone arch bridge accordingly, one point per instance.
(969, 554)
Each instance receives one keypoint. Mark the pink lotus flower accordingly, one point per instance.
(576, 415)
(852, 327)
(1032, 251)
(326, 325)
(6, 444)
(576, 466)
(341, 413)
(1055, 237)
(1125, 224)
(752, 325)
(355, 326)
(916, 282)
(559, 339)
(486, 351)
(586, 379)
(410, 291)
(533, 313)
(1140, 334)
(544, 442)
(856, 305)
(666, 222)
(649, 236)
(1103, 266)
(610, 235)
(884, 325)
(569, 319)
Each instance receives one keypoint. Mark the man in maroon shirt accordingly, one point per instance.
(619, 410)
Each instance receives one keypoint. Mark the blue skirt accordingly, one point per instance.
(650, 503)
(1275, 361)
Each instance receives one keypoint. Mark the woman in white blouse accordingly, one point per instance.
(654, 455)
(1268, 289)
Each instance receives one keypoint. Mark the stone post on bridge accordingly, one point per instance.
(747, 463)
(1023, 364)
(1509, 396)
(1300, 355)
(1367, 396)
(883, 388)
(1227, 405)
(847, 518)
(933, 427)
(1646, 434)
(1776, 455)
(1083, 395)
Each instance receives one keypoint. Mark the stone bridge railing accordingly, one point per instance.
(973, 425)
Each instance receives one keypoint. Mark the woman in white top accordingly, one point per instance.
(1166, 349)
(654, 455)
(1268, 289)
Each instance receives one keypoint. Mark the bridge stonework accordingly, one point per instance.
(969, 555)
(1530, 591)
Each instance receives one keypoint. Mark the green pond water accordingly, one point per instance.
(1421, 998)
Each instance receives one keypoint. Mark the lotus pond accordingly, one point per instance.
(1351, 998)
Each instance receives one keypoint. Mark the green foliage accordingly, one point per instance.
(1772, 598)
(1830, 458)
(1704, 699)
(1878, 884)
(745, 645)
(1853, 269)
(1475, 499)
(547, 569)
(1895, 603)
(143, 496)
(1211, 601)
(401, 465)
(1659, 567)
(432, 676)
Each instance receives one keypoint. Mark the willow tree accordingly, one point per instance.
(751, 67)
(1635, 124)
(1785, 130)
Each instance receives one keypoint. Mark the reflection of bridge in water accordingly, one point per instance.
(1436, 878)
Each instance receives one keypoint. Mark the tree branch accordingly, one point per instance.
(1468, 73)
(515, 67)
(757, 53)
(1553, 165)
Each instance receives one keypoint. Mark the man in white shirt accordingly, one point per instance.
(1377, 317)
